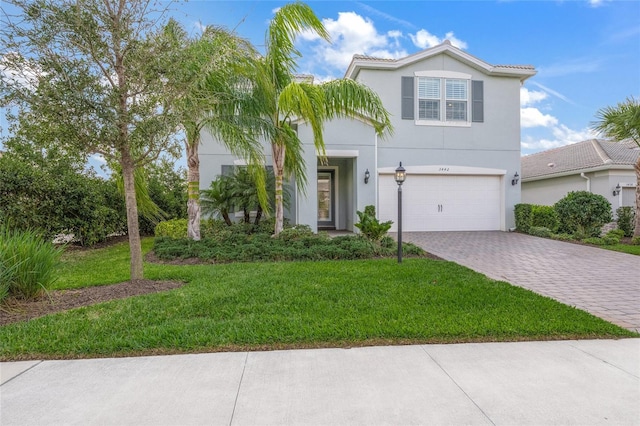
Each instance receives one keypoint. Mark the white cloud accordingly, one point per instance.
(530, 97)
(554, 93)
(562, 135)
(424, 39)
(532, 117)
(16, 70)
(597, 3)
(353, 34)
(200, 26)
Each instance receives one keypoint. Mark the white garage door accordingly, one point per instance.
(442, 202)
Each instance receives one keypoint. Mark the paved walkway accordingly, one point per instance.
(588, 382)
(602, 282)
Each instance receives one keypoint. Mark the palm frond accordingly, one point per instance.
(350, 99)
(620, 122)
(289, 21)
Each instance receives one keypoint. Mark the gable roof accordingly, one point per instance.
(578, 157)
(359, 62)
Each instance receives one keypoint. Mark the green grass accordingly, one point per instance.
(85, 268)
(624, 248)
(293, 304)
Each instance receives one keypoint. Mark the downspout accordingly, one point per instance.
(375, 160)
(582, 175)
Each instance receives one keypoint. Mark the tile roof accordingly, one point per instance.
(579, 156)
(360, 61)
(373, 58)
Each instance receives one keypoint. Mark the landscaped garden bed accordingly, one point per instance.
(272, 305)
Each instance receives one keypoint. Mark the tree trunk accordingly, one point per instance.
(227, 219)
(278, 152)
(133, 229)
(636, 232)
(258, 216)
(193, 201)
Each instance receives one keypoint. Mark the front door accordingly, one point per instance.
(326, 200)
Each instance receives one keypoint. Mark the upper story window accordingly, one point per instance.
(442, 99)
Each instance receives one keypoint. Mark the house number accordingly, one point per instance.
(443, 169)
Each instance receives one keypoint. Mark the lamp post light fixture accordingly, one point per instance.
(617, 190)
(515, 179)
(400, 176)
(367, 175)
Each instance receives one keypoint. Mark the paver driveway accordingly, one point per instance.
(602, 282)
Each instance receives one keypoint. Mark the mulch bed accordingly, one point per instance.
(15, 310)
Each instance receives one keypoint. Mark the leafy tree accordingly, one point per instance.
(49, 190)
(96, 73)
(280, 98)
(619, 123)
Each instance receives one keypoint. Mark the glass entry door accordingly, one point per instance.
(326, 200)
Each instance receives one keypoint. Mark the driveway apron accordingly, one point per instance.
(602, 282)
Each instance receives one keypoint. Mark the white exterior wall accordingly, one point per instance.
(549, 191)
(352, 146)
(492, 144)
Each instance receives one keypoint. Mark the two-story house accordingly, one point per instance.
(457, 134)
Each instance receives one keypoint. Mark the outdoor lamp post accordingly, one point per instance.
(400, 176)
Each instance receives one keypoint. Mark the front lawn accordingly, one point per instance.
(624, 248)
(245, 306)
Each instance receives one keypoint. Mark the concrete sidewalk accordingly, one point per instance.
(564, 382)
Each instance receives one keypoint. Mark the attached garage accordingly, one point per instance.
(444, 198)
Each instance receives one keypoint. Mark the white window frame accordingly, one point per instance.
(443, 76)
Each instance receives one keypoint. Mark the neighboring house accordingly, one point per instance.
(457, 134)
(595, 165)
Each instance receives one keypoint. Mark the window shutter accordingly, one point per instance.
(407, 98)
(477, 104)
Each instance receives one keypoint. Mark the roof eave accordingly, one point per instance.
(578, 171)
(357, 64)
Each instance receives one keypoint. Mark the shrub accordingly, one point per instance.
(563, 237)
(626, 220)
(540, 231)
(619, 233)
(595, 241)
(523, 217)
(583, 213)
(544, 216)
(635, 241)
(295, 232)
(370, 226)
(27, 263)
(5, 275)
(175, 228)
(611, 239)
(388, 242)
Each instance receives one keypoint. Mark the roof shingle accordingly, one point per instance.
(579, 156)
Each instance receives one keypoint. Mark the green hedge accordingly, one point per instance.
(523, 214)
(544, 216)
(533, 215)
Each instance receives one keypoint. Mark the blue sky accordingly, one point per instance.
(587, 53)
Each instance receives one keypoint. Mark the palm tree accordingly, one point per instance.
(220, 198)
(279, 98)
(213, 73)
(619, 123)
